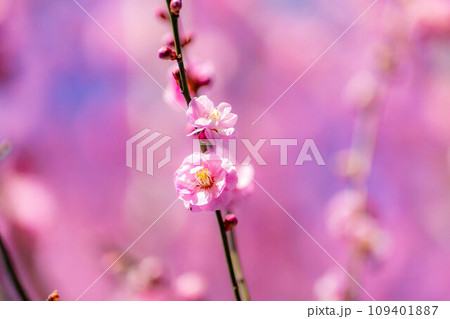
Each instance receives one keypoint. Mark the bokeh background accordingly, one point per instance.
(70, 97)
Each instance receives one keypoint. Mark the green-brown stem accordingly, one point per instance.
(176, 38)
(226, 248)
(12, 272)
(183, 77)
(185, 91)
(237, 266)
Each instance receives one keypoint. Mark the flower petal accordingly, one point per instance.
(224, 108)
(202, 122)
(198, 108)
(229, 120)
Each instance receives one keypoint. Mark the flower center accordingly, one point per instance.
(215, 114)
(204, 179)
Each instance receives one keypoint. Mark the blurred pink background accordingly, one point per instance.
(70, 98)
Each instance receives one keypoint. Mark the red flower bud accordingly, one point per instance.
(54, 296)
(202, 137)
(167, 53)
(230, 222)
(175, 7)
(176, 75)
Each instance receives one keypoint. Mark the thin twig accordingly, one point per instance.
(237, 265)
(176, 39)
(226, 248)
(185, 91)
(12, 272)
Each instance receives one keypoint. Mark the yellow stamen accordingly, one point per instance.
(204, 179)
(215, 114)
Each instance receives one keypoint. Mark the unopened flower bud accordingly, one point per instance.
(177, 75)
(162, 14)
(175, 6)
(54, 296)
(202, 138)
(167, 53)
(230, 222)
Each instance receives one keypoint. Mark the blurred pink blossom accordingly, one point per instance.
(191, 286)
(331, 286)
(351, 163)
(245, 185)
(429, 17)
(31, 203)
(146, 274)
(350, 219)
(199, 74)
(343, 210)
(362, 89)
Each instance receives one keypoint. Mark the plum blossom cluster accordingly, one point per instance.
(204, 181)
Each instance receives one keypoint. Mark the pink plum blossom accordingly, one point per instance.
(215, 122)
(205, 182)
